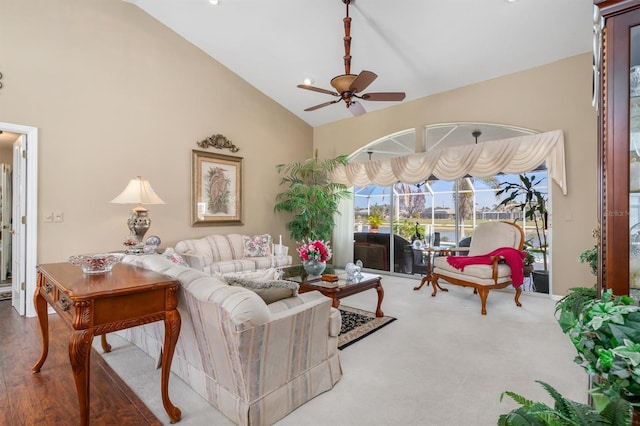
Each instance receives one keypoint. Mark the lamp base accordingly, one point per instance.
(139, 223)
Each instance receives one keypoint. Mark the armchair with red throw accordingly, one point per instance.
(495, 261)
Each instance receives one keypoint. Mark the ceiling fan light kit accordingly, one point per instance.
(347, 85)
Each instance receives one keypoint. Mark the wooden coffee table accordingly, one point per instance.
(339, 289)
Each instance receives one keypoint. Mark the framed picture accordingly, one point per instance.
(216, 192)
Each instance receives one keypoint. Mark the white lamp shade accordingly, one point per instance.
(138, 191)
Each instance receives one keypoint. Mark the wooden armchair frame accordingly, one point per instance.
(481, 289)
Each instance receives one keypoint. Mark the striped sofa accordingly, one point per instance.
(227, 253)
(253, 362)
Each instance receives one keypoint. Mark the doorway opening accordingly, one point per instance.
(18, 222)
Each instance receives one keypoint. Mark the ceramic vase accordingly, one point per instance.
(314, 266)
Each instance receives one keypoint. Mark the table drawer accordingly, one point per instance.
(58, 299)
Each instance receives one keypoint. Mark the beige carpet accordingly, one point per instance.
(441, 363)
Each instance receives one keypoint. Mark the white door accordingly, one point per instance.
(18, 228)
(7, 184)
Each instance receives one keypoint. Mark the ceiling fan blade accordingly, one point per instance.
(362, 81)
(384, 96)
(322, 105)
(356, 108)
(317, 89)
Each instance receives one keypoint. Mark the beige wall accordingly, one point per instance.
(555, 96)
(116, 94)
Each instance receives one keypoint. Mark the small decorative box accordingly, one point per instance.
(329, 278)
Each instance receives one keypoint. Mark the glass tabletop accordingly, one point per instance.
(299, 275)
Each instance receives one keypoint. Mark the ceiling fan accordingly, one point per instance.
(349, 86)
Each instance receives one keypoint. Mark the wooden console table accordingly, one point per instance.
(96, 304)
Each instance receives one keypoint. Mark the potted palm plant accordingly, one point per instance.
(310, 197)
(525, 196)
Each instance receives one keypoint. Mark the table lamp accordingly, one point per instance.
(138, 191)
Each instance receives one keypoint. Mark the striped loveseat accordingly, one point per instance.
(254, 362)
(232, 253)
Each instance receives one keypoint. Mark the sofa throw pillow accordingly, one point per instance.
(171, 254)
(269, 274)
(256, 245)
(270, 291)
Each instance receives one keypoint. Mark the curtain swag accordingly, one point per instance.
(513, 156)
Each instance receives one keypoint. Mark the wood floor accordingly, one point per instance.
(49, 397)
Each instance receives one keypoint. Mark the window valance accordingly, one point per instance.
(513, 156)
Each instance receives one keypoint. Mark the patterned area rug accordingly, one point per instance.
(358, 324)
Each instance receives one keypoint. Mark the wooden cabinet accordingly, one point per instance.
(617, 91)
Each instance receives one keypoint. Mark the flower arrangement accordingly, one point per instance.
(314, 250)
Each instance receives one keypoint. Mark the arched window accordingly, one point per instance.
(388, 219)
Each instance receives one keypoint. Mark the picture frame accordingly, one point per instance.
(216, 189)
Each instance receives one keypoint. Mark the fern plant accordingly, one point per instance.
(573, 304)
(564, 412)
(310, 197)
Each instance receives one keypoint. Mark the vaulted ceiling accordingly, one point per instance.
(420, 47)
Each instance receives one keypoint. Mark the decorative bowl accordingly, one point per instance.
(95, 263)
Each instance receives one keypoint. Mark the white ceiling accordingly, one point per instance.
(420, 47)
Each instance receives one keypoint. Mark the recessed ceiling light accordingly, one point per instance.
(308, 81)
(213, 2)
(511, 1)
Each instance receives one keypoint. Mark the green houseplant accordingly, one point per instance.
(606, 335)
(529, 260)
(523, 195)
(375, 218)
(564, 412)
(590, 256)
(310, 197)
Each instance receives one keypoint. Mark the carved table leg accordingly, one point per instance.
(171, 332)
(380, 291)
(335, 302)
(43, 319)
(105, 345)
(429, 271)
(425, 280)
(80, 357)
(436, 286)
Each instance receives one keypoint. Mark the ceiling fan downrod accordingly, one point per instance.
(347, 40)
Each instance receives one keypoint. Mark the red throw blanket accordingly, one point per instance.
(513, 257)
